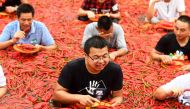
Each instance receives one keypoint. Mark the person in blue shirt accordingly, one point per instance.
(26, 30)
(10, 6)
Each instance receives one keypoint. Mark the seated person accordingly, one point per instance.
(174, 88)
(174, 41)
(112, 32)
(90, 79)
(91, 7)
(3, 88)
(26, 30)
(168, 10)
(10, 6)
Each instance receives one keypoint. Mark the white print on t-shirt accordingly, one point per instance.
(93, 85)
(95, 88)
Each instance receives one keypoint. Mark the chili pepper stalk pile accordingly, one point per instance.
(31, 78)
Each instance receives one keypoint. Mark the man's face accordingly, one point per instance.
(106, 33)
(182, 30)
(97, 59)
(25, 21)
(101, 1)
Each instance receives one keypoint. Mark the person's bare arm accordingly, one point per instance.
(50, 47)
(88, 13)
(115, 15)
(117, 53)
(3, 91)
(151, 10)
(117, 97)
(24, 1)
(61, 94)
(181, 13)
(156, 55)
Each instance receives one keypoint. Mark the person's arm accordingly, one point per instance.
(88, 13)
(5, 42)
(151, 10)
(117, 98)
(115, 15)
(61, 94)
(156, 55)
(49, 47)
(181, 13)
(24, 1)
(117, 53)
(3, 91)
(161, 94)
(121, 43)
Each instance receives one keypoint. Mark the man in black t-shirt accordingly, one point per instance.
(90, 79)
(177, 42)
(10, 6)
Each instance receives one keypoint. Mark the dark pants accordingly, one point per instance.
(85, 18)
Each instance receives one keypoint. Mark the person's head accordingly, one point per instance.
(182, 27)
(101, 1)
(105, 27)
(25, 14)
(97, 56)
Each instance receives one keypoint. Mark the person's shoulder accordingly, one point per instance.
(113, 66)
(169, 35)
(13, 23)
(76, 63)
(115, 25)
(38, 23)
(91, 25)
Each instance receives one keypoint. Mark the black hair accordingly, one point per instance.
(25, 8)
(104, 22)
(185, 19)
(96, 42)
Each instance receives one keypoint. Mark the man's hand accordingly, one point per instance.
(176, 92)
(86, 100)
(116, 101)
(90, 14)
(112, 55)
(107, 14)
(166, 59)
(17, 36)
(10, 9)
(185, 68)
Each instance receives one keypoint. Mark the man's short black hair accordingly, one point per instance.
(185, 19)
(104, 22)
(96, 42)
(25, 8)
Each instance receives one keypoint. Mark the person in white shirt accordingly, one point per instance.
(3, 88)
(168, 10)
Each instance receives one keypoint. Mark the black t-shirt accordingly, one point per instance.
(168, 44)
(76, 78)
(10, 3)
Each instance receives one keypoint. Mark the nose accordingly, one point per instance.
(26, 22)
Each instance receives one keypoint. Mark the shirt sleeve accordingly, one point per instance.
(181, 6)
(65, 77)
(87, 34)
(162, 44)
(120, 38)
(118, 79)
(6, 34)
(2, 78)
(47, 38)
